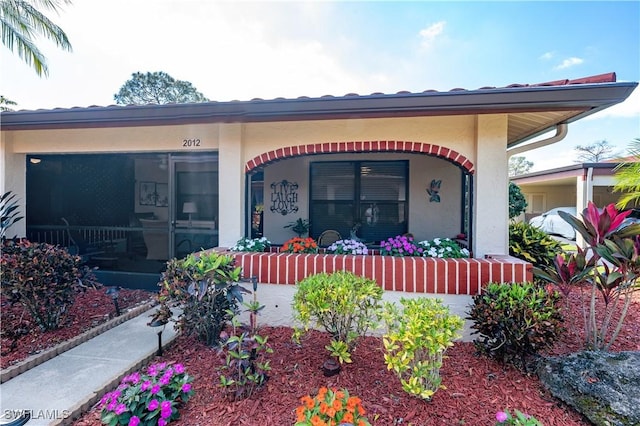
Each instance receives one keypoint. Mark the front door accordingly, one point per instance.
(193, 189)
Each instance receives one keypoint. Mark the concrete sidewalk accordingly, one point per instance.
(70, 383)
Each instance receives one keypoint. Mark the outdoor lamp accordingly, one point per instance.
(190, 208)
(160, 320)
(114, 292)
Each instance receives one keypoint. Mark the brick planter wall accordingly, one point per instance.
(407, 274)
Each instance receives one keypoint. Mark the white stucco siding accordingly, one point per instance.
(455, 133)
(116, 139)
(491, 197)
(231, 185)
(13, 178)
(430, 219)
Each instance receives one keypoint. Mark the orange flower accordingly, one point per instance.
(323, 407)
(337, 404)
(347, 418)
(307, 401)
(317, 421)
(361, 423)
(322, 392)
(300, 415)
(361, 410)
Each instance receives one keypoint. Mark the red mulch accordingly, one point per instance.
(476, 387)
(90, 309)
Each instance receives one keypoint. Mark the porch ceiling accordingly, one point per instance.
(523, 126)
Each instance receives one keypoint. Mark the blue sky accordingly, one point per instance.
(243, 50)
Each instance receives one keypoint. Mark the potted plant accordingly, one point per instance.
(300, 227)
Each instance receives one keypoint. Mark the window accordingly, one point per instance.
(368, 195)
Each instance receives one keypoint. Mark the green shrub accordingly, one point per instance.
(529, 243)
(515, 321)
(43, 278)
(417, 337)
(517, 201)
(206, 287)
(343, 304)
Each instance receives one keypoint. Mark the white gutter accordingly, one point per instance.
(561, 132)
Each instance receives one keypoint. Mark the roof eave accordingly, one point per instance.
(589, 98)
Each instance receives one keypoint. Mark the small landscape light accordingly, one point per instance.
(114, 292)
(160, 319)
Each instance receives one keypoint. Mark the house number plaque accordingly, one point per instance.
(284, 197)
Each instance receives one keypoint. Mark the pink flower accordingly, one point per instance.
(135, 377)
(153, 404)
(146, 385)
(179, 368)
(186, 387)
(164, 380)
(134, 421)
(501, 416)
(121, 408)
(162, 422)
(155, 389)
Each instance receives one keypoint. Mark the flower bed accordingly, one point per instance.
(438, 266)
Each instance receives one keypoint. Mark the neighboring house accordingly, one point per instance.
(182, 177)
(570, 186)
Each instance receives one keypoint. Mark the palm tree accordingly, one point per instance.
(4, 102)
(628, 177)
(21, 21)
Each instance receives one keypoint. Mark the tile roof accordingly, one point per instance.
(532, 108)
(600, 78)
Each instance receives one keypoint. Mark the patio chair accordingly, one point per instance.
(78, 245)
(328, 237)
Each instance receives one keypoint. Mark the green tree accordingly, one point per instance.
(519, 165)
(4, 102)
(22, 20)
(517, 201)
(627, 177)
(157, 88)
(595, 153)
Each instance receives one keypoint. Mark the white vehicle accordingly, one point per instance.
(551, 222)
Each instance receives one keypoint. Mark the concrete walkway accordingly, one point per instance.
(64, 386)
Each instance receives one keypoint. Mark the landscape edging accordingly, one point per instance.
(37, 359)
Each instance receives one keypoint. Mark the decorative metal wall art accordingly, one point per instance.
(434, 190)
(284, 197)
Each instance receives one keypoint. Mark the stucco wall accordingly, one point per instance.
(555, 196)
(455, 133)
(427, 220)
(116, 139)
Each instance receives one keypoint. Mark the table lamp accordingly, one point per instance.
(189, 207)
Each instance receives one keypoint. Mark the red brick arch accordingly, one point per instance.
(358, 147)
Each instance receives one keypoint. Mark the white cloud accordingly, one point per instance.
(429, 34)
(547, 56)
(569, 62)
